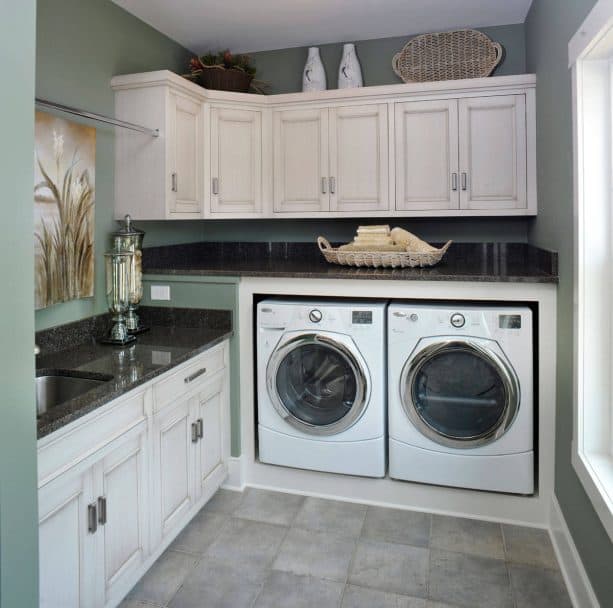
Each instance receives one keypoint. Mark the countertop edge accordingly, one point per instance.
(60, 423)
(368, 275)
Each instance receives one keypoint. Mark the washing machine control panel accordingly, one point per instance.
(457, 319)
(315, 315)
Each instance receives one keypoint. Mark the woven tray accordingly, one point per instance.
(380, 259)
(447, 56)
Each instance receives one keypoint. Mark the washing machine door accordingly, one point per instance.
(460, 392)
(317, 383)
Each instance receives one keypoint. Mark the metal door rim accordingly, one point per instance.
(504, 369)
(358, 369)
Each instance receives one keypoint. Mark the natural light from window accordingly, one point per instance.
(591, 63)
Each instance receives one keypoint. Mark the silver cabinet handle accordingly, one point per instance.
(323, 185)
(174, 182)
(215, 185)
(195, 375)
(194, 432)
(464, 180)
(92, 520)
(454, 181)
(200, 427)
(332, 185)
(102, 510)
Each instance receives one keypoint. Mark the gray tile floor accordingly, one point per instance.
(266, 549)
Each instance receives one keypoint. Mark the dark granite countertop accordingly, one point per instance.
(498, 262)
(175, 336)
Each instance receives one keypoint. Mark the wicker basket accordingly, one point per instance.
(447, 56)
(380, 259)
(219, 78)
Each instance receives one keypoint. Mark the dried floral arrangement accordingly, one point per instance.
(224, 71)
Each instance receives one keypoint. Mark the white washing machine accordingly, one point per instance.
(460, 401)
(321, 385)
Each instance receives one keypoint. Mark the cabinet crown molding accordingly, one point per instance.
(504, 84)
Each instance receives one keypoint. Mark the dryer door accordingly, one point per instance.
(460, 392)
(317, 384)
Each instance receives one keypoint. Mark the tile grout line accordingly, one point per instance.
(353, 554)
(201, 556)
(274, 557)
(429, 559)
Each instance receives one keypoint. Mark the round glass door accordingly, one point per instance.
(460, 394)
(316, 384)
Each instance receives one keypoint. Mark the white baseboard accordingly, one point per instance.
(236, 477)
(579, 587)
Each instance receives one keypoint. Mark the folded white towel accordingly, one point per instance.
(364, 230)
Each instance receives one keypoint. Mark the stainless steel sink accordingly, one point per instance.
(57, 387)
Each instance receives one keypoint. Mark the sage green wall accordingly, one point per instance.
(283, 68)
(18, 506)
(465, 229)
(549, 27)
(80, 45)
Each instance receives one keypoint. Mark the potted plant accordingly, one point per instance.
(222, 71)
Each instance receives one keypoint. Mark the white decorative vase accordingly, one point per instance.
(314, 75)
(349, 71)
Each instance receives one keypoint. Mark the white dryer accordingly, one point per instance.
(321, 385)
(460, 401)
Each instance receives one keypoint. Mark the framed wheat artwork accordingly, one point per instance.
(64, 194)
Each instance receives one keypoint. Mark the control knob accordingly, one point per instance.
(457, 320)
(315, 315)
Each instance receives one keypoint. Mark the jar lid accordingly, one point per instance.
(127, 229)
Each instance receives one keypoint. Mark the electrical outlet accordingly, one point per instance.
(160, 292)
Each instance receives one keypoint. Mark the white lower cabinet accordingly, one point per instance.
(67, 552)
(174, 462)
(106, 516)
(122, 489)
(190, 446)
(211, 425)
(93, 527)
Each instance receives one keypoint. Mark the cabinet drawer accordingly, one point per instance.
(73, 444)
(187, 378)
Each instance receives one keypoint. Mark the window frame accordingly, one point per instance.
(591, 64)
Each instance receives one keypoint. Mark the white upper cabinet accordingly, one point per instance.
(236, 161)
(359, 158)
(430, 149)
(334, 160)
(493, 152)
(427, 155)
(300, 165)
(159, 177)
(185, 146)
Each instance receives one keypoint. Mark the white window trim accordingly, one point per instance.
(592, 84)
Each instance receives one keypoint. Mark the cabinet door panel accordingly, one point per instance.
(174, 465)
(359, 158)
(211, 412)
(185, 151)
(300, 150)
(66, 547)
(236, 161)
(427, 155)
(493, 152)
(123, 486)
